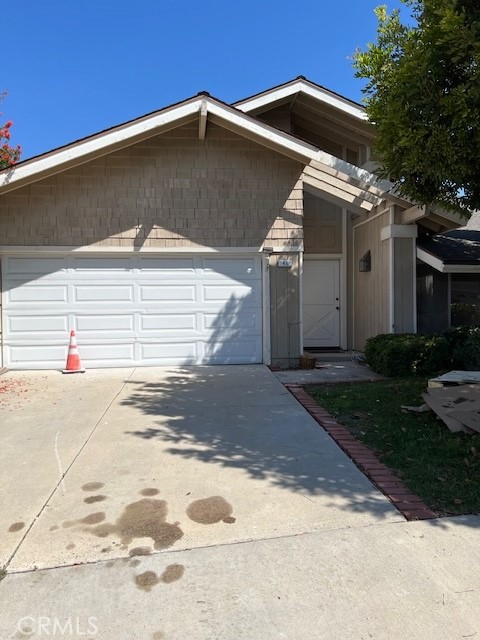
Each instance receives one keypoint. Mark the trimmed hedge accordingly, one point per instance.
(406, 354)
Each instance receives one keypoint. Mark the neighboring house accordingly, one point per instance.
(448, 278)
(209, 233)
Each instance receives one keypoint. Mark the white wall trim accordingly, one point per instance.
(33, 250)
(300, 298)
(414, 302)
(391, 249)
(399, 231)
(344, 311)
(377, 215)
(323, 256)
(266, 333)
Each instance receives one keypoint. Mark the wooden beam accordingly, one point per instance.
(341, 197)
(202, 121)
(413, 214)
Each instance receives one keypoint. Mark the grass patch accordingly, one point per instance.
(441, 467)
(3, 573)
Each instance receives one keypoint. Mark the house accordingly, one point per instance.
(209, 233)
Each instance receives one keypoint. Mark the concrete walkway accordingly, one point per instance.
(206, 503)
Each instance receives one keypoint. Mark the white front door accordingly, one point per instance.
(321, 303)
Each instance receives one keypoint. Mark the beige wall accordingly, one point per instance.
(322, 225)
(371, 289)
(171, 191)
(404, 285)
(285, 310)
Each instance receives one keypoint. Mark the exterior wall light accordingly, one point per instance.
(365, 263)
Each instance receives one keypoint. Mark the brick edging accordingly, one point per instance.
(410, 506)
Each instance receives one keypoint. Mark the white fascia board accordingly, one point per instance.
(262, 131)
(148, 125)
(98, 143)
(434, 262)
(362, 175)
(264, 99)
(437, 264)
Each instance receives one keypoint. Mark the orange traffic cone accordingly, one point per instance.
(73, 359)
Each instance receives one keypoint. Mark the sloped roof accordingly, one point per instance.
(457, 250)
(366, 187)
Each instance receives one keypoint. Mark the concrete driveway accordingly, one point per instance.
(206, 503)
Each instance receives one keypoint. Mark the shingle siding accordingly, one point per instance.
(170, 191)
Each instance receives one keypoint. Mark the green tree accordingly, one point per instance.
(8, 155)
(423, 96)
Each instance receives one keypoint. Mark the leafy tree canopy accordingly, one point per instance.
(8, 155)
(423, 96)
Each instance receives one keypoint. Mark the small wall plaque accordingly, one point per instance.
(284, 262)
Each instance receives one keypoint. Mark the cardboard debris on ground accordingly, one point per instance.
(423, 408)
(455, 378)
(457, 406)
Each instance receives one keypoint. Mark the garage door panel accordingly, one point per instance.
(21, 267)
(92, 268)
(179, 352)
(109, 352)
(240, 269)
(241, 321)
(173, 293)
(102, 293)
(44, 325)
(132, 310)
(31, 355)
(241, 352)
(239, 294)
(104, 323)
(46, 294)
(168, 323)
(168, 267)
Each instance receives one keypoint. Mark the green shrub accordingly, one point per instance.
(466, 349)
(404, 354)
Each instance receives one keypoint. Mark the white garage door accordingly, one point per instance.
(132, 310)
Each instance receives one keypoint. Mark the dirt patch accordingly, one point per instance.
(16, 526)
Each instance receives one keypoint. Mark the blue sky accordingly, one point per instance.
(75, 67)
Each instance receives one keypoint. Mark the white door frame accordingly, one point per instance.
(318, 257)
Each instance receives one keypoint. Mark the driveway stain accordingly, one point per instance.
(16, 526)
(140, 551)
(146, 518)
(91, 519)
(150, 491)
(147, 580)
(54, 527)
(210, 511)
(158, 635)
(134, 563)
(92, 486)
(172, 573)
(71, 545)
(92, 499)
